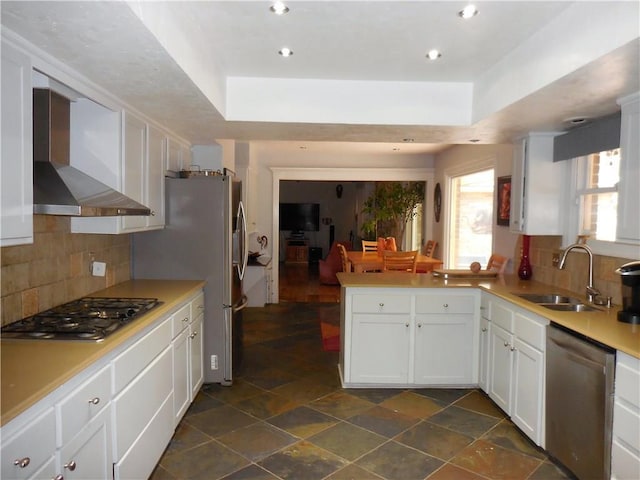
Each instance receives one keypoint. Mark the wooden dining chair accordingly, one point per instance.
(399, 261)
(369, 246)
(430, 248)
(346, 265)
(497, 263)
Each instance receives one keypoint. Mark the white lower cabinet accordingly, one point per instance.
(625, 450)
(88, 455)
(485, 334)
(409, 337)
(30, 452)
(196, 372)
(516, 365)
(114, 419)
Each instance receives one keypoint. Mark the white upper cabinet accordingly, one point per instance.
(178, 155)
(537, 183)
(628, 198)
(122, 151)
(16, 162)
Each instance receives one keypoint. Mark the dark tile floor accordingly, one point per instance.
(286, 417)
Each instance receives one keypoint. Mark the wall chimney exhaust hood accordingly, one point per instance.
(59, 188)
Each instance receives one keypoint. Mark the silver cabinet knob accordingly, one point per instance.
(58, 477)
(406, 325)
(446, 305)
(484, 329)
(506, 344)
(70, 466)
(193, 335)
(94, 401)
(201, 307)
(185, 319)
(153, 213)
(513, 349)
(22, 462)
(381, 304)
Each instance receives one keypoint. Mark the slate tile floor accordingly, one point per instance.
(286, 417)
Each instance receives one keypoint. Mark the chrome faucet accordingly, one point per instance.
(592, 292)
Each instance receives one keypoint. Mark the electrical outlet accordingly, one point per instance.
(214, 362)
(98, 269)
(555, 259)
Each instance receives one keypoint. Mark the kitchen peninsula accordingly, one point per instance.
(400, 330)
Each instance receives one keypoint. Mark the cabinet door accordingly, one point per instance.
(195, 353)
(528, 388)
(483, 374)
(500, 367)
(177, 156)
(380, 349)
(155, 178)
(34, 446)
(134, 132)
(88, 455)
(628, 225)
(16, 160)
(443, 350)
(181, 385)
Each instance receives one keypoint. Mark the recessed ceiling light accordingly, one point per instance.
(474, 140)
(408, 140)
(279, 8)
(576, 120)
(468, 12)
(285, 52)
(396, 149)
(433, 54)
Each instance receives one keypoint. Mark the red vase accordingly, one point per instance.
(524, 271)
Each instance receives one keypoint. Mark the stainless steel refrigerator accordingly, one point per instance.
(204, 238)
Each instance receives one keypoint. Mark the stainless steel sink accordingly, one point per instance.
(569, 307)
(558, 302)
(548, 298)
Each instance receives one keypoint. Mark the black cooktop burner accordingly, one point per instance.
(89, 318)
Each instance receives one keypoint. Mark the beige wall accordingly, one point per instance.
(55, 268)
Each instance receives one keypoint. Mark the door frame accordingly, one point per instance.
(340, 175)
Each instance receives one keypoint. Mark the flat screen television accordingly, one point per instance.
(300, 217)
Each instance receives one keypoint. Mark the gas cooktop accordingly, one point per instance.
(88, 318)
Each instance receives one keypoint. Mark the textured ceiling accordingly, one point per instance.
(169, 60)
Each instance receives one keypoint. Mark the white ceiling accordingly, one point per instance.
(528, 66)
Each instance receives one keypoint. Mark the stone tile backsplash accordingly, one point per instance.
(575, 274)
(56, 267)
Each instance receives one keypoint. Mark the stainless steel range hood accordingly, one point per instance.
(58, 188)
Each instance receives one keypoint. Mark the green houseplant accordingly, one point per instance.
(389, 208)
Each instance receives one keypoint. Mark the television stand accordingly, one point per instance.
(297, 250)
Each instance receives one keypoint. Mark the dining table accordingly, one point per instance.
(372, 261)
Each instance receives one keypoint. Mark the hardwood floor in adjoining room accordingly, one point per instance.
(300, 283)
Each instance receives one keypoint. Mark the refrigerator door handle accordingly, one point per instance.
(244, 240)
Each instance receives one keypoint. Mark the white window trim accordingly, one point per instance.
(572, 225)
(466, 168)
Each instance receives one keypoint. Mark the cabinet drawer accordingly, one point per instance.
(625, 464)
(130, 363)
(445, 304)
(84, 404)
(626, 424)
(181, 319)
(628, 379)
(530, 331)
(503, 316)
(36, 442)
(197, 306)
(139, 402)
(381, 303)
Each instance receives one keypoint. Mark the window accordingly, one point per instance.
(470, 218)
(597, 194)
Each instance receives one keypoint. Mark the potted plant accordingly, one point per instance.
(390, 207)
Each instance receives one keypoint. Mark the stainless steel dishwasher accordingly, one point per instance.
(579, 403)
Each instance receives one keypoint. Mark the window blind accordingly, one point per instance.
(597, 136)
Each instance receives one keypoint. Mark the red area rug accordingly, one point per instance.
(330, 337)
